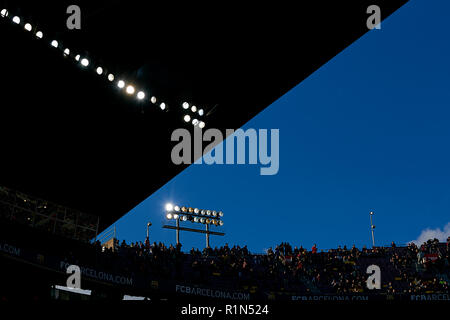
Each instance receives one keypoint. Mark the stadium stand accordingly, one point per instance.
(155, 270)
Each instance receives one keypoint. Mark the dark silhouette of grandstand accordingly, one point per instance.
(31, 239)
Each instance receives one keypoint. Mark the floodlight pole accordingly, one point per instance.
(194, 215)
(178, 230)
(372, 227)
(148, 226)
(207, 236)
(207, 232)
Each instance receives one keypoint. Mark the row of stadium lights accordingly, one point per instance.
(194, 215)
(129, 89)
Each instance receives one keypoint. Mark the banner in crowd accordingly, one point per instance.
(432, 257)
(430, 297)
(59, 265)
(9, 249)
(99, 275)
(371, 297)
(334, 297)
(212, 293)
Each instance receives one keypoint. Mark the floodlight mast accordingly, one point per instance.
(207, 236)
(195, 215)
(178, 230)
(148, 226)
(372, 227)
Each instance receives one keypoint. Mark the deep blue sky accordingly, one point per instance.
(368, 131)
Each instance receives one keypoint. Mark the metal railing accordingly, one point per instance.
(42, 214)
(107, 235)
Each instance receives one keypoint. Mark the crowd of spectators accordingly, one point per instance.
(407, 269)
(284, 268)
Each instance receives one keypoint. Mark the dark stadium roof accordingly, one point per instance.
(70, 137)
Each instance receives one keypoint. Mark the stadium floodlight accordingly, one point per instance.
(28, 27)
(111, 77)
(220, 214)
(141, 95)
(194, 109)
(66, 52)
(169, 216)
(39, 34)
(99, 70)
(121, 84)
(201, 112)
(201, 125)
(16, 20)
(54, 43)
(194, 215)
(84, 62)
(195, 122)
(169, 207)
(130, 89)
(187, 118)
(77, 57)
(185, 105)
(4, 13)
(162, 106)
(153, 99)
